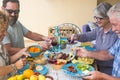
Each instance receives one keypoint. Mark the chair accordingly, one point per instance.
(66, 29)
(89, 27)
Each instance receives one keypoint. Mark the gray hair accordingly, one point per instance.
(114, 11)
(102, 9)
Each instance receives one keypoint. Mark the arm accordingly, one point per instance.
(4, 70)
(18, 55)
(96, 75)
(35, 36)
(12, 50)
(88, 36)
(100, 55)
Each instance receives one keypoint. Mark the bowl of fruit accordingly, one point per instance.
(35, 50)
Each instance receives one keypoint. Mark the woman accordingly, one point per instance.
(8, 64)
(103, 35)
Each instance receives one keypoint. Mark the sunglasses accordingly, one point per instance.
(12, 11)
(98, 18)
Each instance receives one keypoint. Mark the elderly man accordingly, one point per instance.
(14, 40)
(112, 53)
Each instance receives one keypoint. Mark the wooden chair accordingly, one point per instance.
(65, 29)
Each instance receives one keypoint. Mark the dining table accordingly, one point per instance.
(60, 74)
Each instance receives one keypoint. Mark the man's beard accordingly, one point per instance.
(13, 20)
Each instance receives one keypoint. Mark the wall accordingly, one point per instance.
(38, 15)
(109, 1)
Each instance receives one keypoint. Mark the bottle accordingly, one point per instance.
(57, 35)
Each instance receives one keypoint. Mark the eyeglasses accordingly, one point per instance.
(98, 18)
(11, 11)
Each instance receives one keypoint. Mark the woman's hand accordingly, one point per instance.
(45, 45)
(20, 63)
(24, 51)
(73, 37)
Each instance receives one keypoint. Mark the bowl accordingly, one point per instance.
(59, 64)
(49, 78)
(35, 50)
(40, 60)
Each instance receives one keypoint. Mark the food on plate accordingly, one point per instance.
(39, 68)
(59, 64)
(83, 67)
(60, 61)
(52, 61)
(36, 73)
(72, 69)
(85, 60)
(41, 59)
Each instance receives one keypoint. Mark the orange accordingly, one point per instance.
(34, 49)
(31, 49)
(28, 73)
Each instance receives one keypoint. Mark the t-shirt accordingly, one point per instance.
(15, 35)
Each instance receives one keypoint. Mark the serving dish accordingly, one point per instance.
(43, 71)
(73, 69)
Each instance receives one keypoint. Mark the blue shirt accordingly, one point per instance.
(115, 51)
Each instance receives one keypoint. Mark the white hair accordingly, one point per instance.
(114, 11)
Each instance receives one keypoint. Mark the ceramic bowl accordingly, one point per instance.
(35, 50)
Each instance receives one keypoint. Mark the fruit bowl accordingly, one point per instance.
(35, 50)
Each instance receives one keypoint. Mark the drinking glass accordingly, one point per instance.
(54, 44)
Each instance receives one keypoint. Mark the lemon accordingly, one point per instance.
(41, 77)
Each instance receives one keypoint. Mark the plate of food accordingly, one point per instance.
(41, 69)
(84, 69)
(37, 68)
(77, 69)
(84, 60)
(70, 69)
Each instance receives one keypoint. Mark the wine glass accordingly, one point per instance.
(54, 43)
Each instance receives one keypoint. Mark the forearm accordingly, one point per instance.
(35, 36)
(15, 57)
(38, 37)
(108, 77)
(100, 55)
(4, 70)
(12, 50)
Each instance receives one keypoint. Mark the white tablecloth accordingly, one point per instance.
(59, 74)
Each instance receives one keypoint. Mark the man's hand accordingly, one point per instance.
(82, 52)
(95, 75)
